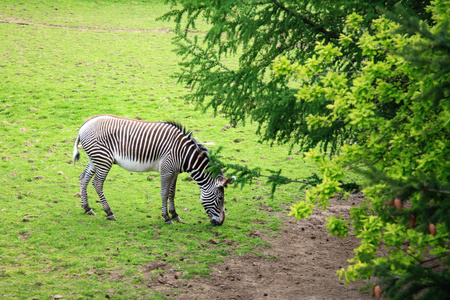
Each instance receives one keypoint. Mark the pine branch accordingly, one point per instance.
(204, 54)
(314, 26)
(245, 175)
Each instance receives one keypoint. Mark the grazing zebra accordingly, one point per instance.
(140, 146)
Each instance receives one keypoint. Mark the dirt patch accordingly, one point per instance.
(301, 264)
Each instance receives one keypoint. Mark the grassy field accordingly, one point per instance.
(61, 62)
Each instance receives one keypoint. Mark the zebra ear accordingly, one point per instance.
(228, 181)
(221, 179)
(231, 180)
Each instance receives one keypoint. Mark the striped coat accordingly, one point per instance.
(141, 146)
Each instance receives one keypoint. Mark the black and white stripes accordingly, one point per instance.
(141, 146)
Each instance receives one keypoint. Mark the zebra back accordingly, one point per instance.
(143, 142)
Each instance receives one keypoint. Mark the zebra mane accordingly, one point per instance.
(202, 148)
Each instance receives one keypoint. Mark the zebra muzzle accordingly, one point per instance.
(214, 222)
(219, 222)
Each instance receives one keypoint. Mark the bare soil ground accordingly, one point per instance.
(301, 264)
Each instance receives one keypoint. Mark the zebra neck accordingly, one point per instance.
(199, 174)
(195, 162)
(201, 177)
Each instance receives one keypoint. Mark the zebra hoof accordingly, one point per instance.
(111, 217)
(177, 219)
(169, 222)
(90, 212)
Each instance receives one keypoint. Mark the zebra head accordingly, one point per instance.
(213, 199)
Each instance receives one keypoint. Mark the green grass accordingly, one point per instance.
(52, 78)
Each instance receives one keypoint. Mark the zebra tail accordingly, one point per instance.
(76, 154)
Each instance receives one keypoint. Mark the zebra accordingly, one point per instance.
(141, 146)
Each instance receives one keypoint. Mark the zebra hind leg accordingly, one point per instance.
(85, 177)
(99, 179)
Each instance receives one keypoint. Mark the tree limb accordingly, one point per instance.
(307, 21)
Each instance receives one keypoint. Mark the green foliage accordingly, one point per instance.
(301, 209)
(259, 32)
(397, 104)
(337, 226)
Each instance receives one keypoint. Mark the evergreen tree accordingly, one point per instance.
(258, 32)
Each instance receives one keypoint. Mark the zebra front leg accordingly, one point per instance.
(99, 179)
(166, 181)
(172, 190)
(85, 177)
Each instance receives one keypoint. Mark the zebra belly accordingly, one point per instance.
(135, 166)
